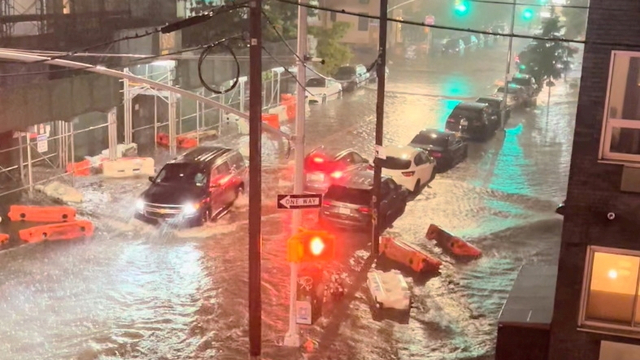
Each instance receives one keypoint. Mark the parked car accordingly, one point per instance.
(470, 42)
(497, 107)
(446, 147)
(516, 96)
(322, 166)
(473, 120)
(453, 46)
(323, 90)
(347, 203)
(409, 166)
(194, 188)
(352, 76)
(528, 83)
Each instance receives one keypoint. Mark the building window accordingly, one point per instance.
(363, 23)
(611, 289)
(620, 139)
(333, 16)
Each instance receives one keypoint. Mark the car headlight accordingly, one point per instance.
(190, 209)
(139, 205)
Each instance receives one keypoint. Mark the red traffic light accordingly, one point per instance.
(311, 246)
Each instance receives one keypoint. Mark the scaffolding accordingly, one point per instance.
(29, 12)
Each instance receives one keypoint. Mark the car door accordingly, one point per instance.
(220, 188)
(421, 167)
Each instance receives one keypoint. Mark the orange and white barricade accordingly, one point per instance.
(4, 238)
(127, 167)
(452, 244)
(192, 139)
(63, 231)
(41, 213)
(408, 255)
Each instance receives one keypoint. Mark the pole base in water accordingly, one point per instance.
(291, 339)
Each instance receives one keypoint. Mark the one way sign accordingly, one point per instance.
(305, 201)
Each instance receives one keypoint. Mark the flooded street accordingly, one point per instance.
(138, 292)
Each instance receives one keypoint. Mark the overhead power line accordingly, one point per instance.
(453, 28)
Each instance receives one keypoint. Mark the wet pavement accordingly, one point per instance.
(138, 292)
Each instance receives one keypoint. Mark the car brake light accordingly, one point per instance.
(451, 120)
(436, 154)
(318, 160)
(364, 210)
(336, 174)
(326, 203)
(408, 173)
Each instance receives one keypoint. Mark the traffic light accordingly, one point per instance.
(527, 14)
(311, 246)
(461, 8)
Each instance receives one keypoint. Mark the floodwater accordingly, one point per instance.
(138, 292)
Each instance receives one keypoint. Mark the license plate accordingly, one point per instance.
(344, 211)
(316, 177)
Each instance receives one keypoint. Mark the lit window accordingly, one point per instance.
(620, 139)
(610, 296)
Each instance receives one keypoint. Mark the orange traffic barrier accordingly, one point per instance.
(192, 139)
(4, 238)
(42, 213)
(272, 119)
(82, 168)
(63, 231)
(289, 101)
(162, 139)
(408, 255)
(452, 244)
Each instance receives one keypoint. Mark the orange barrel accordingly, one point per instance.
(408, 255)
(4, 238)
(42, 213)
(82, 168)
(162, 139)
(63, 231)
(272, 119)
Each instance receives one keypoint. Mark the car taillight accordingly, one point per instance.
(364, 210)
(336, 174)
(408, 173)
(326, 203)
(436, 154)
(318, 160)
(451, 120)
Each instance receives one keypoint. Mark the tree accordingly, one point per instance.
(329, 48)
(547, 60)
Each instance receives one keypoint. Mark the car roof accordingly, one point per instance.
(436, 133)
(490, 98)
(332, 152)
(362, 180)
(470, 106)
(404, 151)
(203, 154)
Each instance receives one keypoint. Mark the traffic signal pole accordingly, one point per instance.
(292, 337)
(377, 171)
(255, 179)
(508, 70)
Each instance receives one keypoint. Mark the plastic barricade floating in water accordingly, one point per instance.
(192, 139)
(389, 290)
(127, 167)
(4, 238)
(82, 168)
(271, 119)
(41, 213)
(452, 244)
(63, 231)
(408, 255)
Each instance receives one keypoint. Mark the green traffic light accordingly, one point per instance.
(527, 14)
(461, 8)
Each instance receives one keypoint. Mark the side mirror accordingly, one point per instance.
(151, 178)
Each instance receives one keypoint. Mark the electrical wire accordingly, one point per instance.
(453, 28)
(286, 69)
(370, 68)
(204, 55)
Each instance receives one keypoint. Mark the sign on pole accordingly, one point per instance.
(43, 144)
(430, 20)
(295, 202)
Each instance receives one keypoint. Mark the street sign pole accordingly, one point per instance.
(503, 114)
(429, 20)
(292, 337)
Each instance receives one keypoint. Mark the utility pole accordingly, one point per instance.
(292, 337)
(377, 170)
(503, 115)
(255, 179)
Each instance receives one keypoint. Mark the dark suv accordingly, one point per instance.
(348, 203)
(473, 120)
(195, 187)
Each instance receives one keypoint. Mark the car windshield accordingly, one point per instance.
(316, 82)
(393, 163)
(349, 195)
(346, 72)
(186, 174)
(427, 139)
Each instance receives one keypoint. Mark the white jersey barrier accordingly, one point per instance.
(389, 290)
(127, 167)
(281, 111)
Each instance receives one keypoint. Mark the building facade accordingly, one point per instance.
(597, 303)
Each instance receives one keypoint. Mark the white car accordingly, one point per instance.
(323, 90)
(408, 166)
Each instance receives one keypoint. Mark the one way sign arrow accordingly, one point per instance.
(294, 202)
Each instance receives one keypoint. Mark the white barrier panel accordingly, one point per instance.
(127, 167)
(123, 150)
(281, 111)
